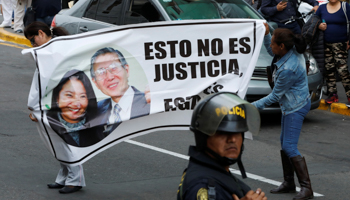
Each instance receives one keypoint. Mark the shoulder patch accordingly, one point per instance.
(202, 194)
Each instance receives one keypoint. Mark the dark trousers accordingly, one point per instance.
(294, 26)
(65, 4)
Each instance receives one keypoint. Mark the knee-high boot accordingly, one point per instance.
(303, 177)
(288, 184)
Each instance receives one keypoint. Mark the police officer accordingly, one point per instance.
(219, 122)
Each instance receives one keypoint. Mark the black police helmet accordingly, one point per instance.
(225, 112)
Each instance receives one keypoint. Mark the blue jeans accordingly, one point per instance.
(47, 20)
(291, 128)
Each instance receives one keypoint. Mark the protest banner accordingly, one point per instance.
(91, 91)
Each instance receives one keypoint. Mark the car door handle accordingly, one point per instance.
(84, 29)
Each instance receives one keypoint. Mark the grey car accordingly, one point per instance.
(88, 15)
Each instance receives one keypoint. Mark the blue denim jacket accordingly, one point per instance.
(291, 84)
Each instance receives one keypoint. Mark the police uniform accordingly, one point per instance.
(204, 177)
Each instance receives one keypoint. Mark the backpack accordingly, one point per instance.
(310, 29)
(29, 16)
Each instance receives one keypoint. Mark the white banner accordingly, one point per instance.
(94, 90)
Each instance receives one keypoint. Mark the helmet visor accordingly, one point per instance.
(210, 118)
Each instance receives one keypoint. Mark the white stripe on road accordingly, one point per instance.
(251, 176)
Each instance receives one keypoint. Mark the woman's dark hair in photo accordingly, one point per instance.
(289, 39)
(91, 110)
(34, 27)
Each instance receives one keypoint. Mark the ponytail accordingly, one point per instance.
(287, 37)
(300, 43)
(34, 27)
(59, 31)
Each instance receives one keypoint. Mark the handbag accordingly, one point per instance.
(29, 16)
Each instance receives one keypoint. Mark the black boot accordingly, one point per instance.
(303, 177)
(288, 184)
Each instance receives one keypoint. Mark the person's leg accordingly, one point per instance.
(294, 26)
(288, 185)
(75, 176)
(65, 4)
(48, 20)
(293, 123)
(330, 70)
(7, 8)
(40, 20)
(282, 130)
(75, 179)
(62, 175)
(341, 58)
(19, 14)
(302, 172)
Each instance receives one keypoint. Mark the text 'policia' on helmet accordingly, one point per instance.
(225, 112)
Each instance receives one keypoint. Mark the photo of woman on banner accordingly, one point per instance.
(73, 106)
(110, 74)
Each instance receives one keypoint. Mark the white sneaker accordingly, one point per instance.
(5, 26)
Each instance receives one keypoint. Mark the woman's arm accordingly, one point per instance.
(33, 97)
(268, 8)
(267, 40)
(284, 81)
(314, 3)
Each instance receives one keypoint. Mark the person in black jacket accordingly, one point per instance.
(46, 10)
(219, 123)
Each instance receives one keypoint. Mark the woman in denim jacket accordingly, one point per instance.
(292, 93)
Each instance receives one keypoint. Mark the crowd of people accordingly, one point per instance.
(333, 18)
(13, 11)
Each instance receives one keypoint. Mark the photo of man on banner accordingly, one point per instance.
(110, 73)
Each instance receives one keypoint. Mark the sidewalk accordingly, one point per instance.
(340, 107)
(9, 35)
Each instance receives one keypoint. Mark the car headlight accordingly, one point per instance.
(313, 67)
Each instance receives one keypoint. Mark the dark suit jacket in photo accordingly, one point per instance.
(139, 108)
(87, 136)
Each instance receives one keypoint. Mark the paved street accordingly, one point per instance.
(132, 170)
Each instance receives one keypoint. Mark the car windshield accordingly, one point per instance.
(207, 9)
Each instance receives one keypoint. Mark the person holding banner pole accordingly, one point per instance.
(290, 90)
(70, 178)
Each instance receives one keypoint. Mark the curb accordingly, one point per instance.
(12, 37)
(339, 108)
